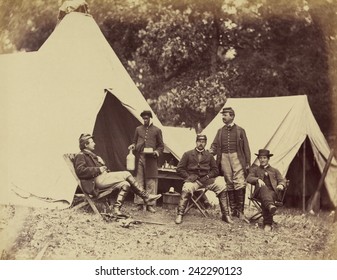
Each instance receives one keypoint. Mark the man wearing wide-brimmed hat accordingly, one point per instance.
(95, 175)
(147, 145)
(198, 169)
(268, 181)
(231, 147)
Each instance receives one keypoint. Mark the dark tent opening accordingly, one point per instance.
(298, 196)
(114, 130)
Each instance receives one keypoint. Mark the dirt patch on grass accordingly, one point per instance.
(67, 234)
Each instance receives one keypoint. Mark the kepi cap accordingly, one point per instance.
(84, 137)
(227, 110)
(146, 113)
(201, 137)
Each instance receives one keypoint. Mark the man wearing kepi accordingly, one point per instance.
(231, 147)
(198, 169)
(268, 182)
(95, 175)
(148, 145)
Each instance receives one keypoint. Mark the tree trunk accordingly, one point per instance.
(215, 37)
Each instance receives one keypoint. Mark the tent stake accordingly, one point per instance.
(303, 176)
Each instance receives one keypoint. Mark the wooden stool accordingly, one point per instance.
(195, 201)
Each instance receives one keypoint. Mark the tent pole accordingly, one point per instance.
(303, 176)
(315, 197)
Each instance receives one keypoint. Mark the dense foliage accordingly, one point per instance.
(188, 56)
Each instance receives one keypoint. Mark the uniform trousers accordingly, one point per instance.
(148, 184)
(116, 180)
(233, 171)
(218, 186)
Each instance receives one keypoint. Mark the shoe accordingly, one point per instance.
(272, 209)
(267, 228)
(179, 219)
(150, 209)
(227, 219)
(152, 197)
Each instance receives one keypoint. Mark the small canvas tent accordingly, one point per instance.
(180, 139)
(74, 83)
(282, 124)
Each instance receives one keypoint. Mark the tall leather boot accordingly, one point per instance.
(223, 202)
(184, 197)
(140, 192)
(232, 203)
(120, 200)
(240, 203)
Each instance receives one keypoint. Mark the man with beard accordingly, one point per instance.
(199, 170)
(95, 175)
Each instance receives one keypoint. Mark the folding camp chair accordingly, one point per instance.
(195, 201)
(257, 203)
(88, 199)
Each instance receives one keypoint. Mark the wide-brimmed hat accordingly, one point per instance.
(227, 110)
(146, 113)
(264, 152)
(201, 137)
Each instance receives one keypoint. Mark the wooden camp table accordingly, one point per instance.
(169, 178)
(168, 174)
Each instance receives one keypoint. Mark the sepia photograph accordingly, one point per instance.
(168, 130)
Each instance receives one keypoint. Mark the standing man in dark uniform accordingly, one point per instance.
(148, 145)
(231, 147)
(268, 182)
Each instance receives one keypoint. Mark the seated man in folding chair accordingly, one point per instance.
(199, 170)
(94, 174)
(268, 182)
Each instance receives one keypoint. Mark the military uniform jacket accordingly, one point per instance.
(87, 169)
(258, 172)
(192, 169)
(242, 144)
(148, 137)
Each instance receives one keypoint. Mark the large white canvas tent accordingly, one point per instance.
(74, 83)
(282, 124)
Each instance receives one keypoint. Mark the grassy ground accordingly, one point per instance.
(67, 234)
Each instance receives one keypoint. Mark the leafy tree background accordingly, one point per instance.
(188, 56)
